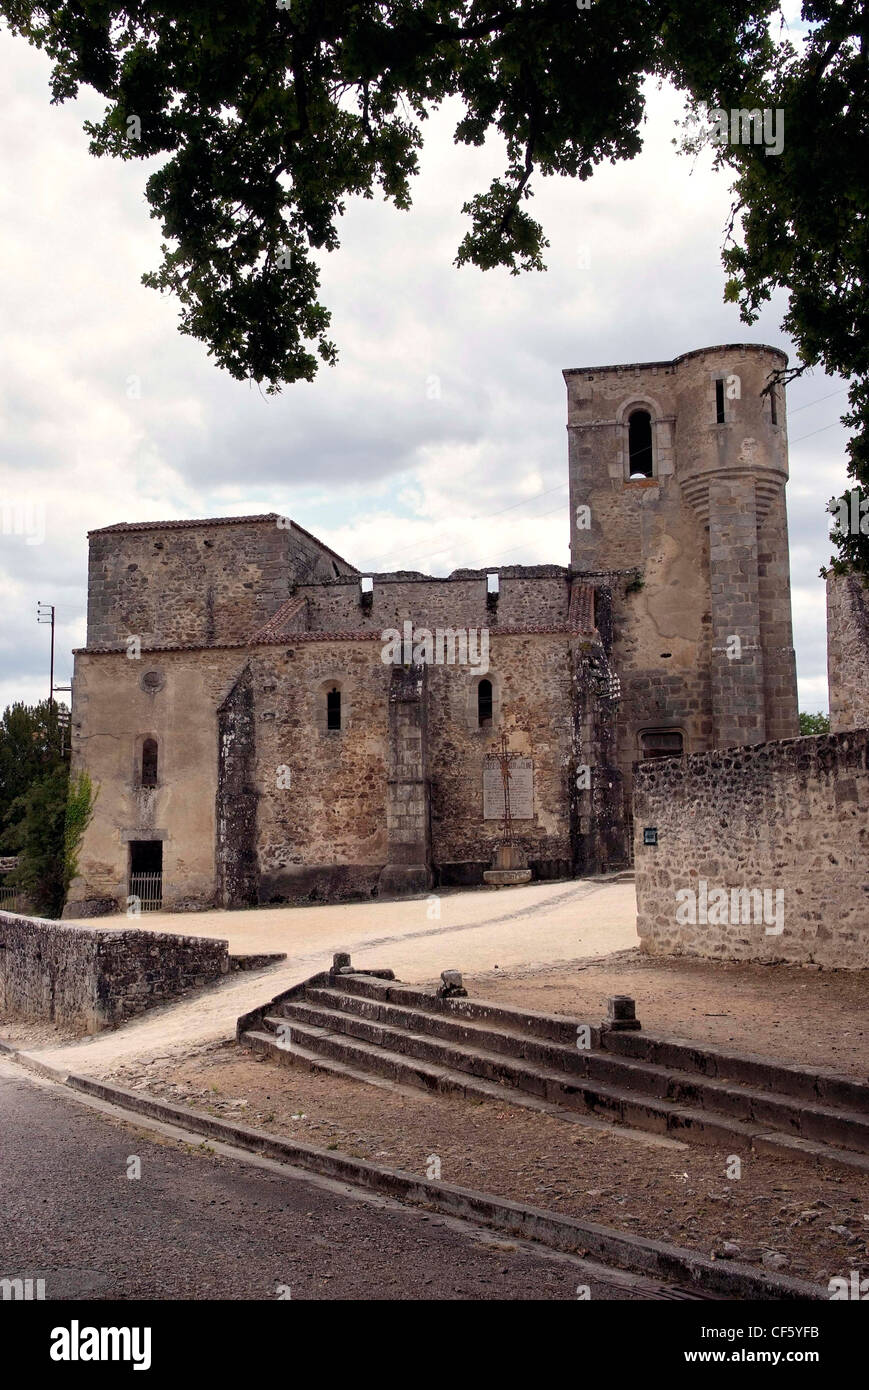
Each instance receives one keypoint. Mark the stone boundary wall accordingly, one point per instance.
(848, 652)
(90, 979)
(788, 822)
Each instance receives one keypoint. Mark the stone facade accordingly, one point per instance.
(89, 979)
(257, 800)
(296, 759)
(785, 825)
(848, 651)
(706, 535)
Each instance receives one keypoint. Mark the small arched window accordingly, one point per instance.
(640, 458)
(149, 762)
(333, 708)
(484, 703)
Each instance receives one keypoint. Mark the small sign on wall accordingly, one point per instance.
(650, 834)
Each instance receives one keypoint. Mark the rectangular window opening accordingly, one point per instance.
(661, 743)
(719, 401)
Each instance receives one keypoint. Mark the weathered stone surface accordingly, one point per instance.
(707, 536)
(789, 818)
(237, 796)
(622, 1014)
(848, 652)
(451, 986)
(91, 979)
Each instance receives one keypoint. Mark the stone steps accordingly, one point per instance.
(376, 1028)
(433, 1078)
(822, 1085)
(559, 1074)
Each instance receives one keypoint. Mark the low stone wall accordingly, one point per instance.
(89, 979)
(847, 652)
(786, 823)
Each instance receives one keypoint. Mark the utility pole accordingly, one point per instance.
(45, 614)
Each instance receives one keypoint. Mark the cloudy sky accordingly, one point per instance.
(439, 438)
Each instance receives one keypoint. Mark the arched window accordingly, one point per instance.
(333, 708)
(640, 459)
(149, 762)
(484, 703)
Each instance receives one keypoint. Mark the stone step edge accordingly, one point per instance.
(634, 1067)
(550, 1075)
(474, 1086)
(445, 1080)
(798, 1082)
(638, 1254)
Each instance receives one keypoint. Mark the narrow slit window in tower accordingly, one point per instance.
(333, 709)
(719, 401)
(149, 762)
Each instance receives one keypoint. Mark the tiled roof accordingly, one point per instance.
(282, 621)
(581, 616)
(271, 517)
(189, 523)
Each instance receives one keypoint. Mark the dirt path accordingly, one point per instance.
(512, 928)
(809, 1016)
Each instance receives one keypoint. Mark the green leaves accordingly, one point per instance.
(267, 119)
(814, 723)
(40, 842)
(80, 801)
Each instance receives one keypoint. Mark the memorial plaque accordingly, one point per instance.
(521, 789)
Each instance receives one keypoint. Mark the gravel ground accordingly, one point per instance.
(810, 1223)
(794, 1013)
(806, 1222)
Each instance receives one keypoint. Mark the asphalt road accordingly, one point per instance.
(199, 1225)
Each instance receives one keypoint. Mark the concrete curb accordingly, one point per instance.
(635, 1253)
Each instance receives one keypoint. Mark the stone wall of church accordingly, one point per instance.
(172, 697)
(317, 797)
(533, 595)
(784, 826)
(196, 582)
(326, 834)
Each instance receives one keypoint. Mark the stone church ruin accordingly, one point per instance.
(261, 731)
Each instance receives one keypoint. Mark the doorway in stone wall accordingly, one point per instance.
(146, 874)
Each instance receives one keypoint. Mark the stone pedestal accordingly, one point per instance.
(509, 867)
